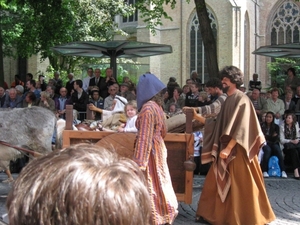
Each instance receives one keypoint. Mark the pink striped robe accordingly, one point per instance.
(151, 156)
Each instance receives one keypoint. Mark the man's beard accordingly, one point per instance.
(225, 89)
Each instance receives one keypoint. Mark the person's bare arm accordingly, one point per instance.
(94, 108)
(196, 116)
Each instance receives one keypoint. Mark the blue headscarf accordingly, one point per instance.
(148, 86)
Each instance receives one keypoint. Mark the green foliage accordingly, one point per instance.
(278, 68)
(40, 25)
(152, 11)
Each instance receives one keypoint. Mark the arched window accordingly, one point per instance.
(131, 18)
(286, 24)
(197, 56)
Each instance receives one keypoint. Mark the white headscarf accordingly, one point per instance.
(120, 104)
(119, 107)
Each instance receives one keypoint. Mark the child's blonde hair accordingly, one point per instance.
(131, 103)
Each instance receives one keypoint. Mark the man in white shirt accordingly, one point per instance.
(86, 80)
(108, 101)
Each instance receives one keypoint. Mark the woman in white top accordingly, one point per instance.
(289, 137)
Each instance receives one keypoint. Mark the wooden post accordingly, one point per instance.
(89, 113)
(69, 117)
(189, 121)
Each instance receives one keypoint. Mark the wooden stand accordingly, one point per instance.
(180, 147)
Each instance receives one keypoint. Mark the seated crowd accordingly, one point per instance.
(106, 98)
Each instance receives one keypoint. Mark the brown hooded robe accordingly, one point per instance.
(234, 191)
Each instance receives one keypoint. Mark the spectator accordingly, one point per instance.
(5, 86)
(96, 80)
(203, 99)
(272, 147)
(254, 83)
(287, 88)
(176, 99)
(30, 100)
(242, 88)
(195, 78)
(171, 86)
(108, 101)
(13, 100)
(83, 184)
(126, 79)
(189, 81)
(296, 97)
(106, 83)
(291, 80)
(29, 76)
(51, 82)
(191, 99)
(172, 108)
(79, 99)
(47, 102)
(117, 86)
(20, 90)
(58, 82)
(86, 80)
(42, 82)
(198, 139)
(97, 101)
(126, 93)
(263, 118)
(257, 101)
(131, 114)
(30, 84)
(2, 96)
(275, 105)
(289, 104)
(268, 94)
(51, 91)
(185, 89)
(16, 82)
(289, 137)
(61, 102)
(70, 84)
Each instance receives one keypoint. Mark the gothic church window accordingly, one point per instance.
(285, 26)
(197, 55)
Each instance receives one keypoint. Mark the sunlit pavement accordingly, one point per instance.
(284, 195)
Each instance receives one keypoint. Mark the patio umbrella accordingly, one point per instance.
(291, 50)
(112, 50)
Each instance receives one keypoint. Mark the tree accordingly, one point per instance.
(153, 12)
(64, 21)
(8, 33)
(40, 25)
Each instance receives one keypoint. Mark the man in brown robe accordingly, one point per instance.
(234, 191)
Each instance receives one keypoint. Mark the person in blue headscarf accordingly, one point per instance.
(150, 151)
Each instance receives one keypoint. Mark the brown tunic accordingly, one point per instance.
(234, 191)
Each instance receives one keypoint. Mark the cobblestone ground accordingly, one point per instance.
(284, 195)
